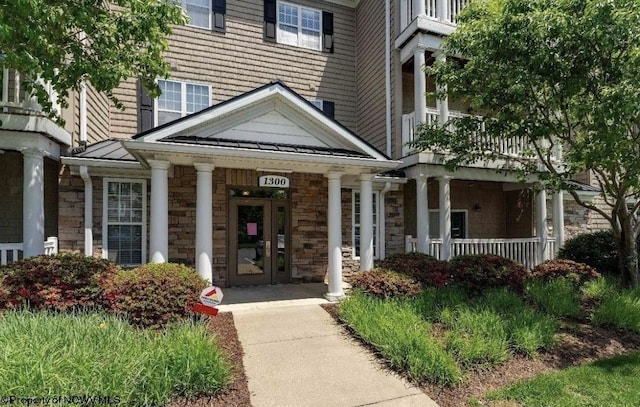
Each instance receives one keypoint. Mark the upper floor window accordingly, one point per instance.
(207, 14)
(299, 26)
(179, 99)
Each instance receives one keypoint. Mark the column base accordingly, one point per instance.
(335, 297)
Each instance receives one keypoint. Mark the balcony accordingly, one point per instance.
(513, 147)
(439, 16)
(13, 99)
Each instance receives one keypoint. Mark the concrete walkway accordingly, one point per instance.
(298, 356)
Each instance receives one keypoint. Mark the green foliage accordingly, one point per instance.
(155, 294)
(387, 284)
(576, 273)
(609, 382)
(57, 282)
(401, 337)
(596, 249)
(102, 43)
(552, 73)
(558, 297)
(422, 267)
(477, 272)
(49, 355)
(620, 310)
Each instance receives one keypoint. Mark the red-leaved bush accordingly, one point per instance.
(477, 272)
(419, 266)
(577, 273)
(59, 282)
(154, 295)
(387, 284)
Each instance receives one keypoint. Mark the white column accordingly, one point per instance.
(541, 224)
(159, 225)
(334, 234)
(366, 222)
(442, 104)
(33, 203)
(422, 214)
(419, 8)
(445, 217)
(204, 221)
(88, 210)
(557, 203)
(420, 86)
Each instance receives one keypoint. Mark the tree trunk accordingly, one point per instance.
(628, 254)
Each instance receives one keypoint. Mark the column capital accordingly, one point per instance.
(367, 177)
(159, 164)
(439, 55)
(420, 176)
(32, 152)
(445, 177)
(204, 167)
(334, 175)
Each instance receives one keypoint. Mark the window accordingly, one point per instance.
(299, 26)
(458, 224)
(124, 221)
(199, 12)
(179, 99)
(329, 108)
(356, 224)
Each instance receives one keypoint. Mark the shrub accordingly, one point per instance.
(557, 297)
(477, 272)
(154, 295)
(577, 273)
(422, 267)
(387, 284)
(57, 282)
(597, 249)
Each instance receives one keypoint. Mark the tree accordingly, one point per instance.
(555, 73)
(68, 42)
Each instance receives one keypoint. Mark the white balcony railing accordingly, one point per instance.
(523, 251)
(14, 99)
(512, 147)
(10, 252)
(444, 11)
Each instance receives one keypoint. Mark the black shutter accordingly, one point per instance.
(327, 31)
(329, 108)
(270, 20)
(219, 8)
(145, 109)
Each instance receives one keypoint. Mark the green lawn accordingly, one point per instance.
(607, 382)
(48, 355)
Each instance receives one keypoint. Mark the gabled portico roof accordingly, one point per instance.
(271, 126)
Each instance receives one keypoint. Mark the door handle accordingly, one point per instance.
(267, 248)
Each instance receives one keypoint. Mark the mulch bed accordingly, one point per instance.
(577, 344)
(236, 394)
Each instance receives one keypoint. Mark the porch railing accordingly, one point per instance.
(444, 11)
(10, 252)
(14, 98)
(512, 147)
(523, 251)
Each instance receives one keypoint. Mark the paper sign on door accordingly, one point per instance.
(252, 229)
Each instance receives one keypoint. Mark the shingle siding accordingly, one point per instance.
(239, 60)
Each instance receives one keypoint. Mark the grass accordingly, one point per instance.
(47, 355)
(558, 297)
(607, 382)
(619, 309)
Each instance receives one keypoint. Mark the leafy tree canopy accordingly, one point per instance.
(554, 73)
(66, 42)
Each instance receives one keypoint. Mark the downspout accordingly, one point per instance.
(83, 114)
(88, 211)
(383, 220)
(387, 79)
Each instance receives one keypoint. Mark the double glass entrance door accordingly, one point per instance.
(259, 241)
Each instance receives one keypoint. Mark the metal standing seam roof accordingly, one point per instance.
(266, 146)
(579, 186)
(111, 149)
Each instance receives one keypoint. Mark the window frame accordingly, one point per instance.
(183, 99)
(106, 223)
(299, 25)
(376, 225)
(466, 223)
(210, 7)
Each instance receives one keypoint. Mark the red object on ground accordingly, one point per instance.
(203, 309)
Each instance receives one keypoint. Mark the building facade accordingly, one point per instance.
(276, 153)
